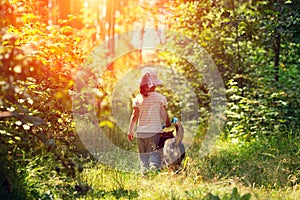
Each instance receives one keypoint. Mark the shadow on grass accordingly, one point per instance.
(11, 182)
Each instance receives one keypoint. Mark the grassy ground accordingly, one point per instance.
(265, 168)
(233, 170)
(118, 185)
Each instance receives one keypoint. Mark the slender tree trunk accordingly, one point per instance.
(238, 69)
(276, 55)
(110, 19)
(277, 41)
(64, 9)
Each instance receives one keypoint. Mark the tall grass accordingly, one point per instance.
(269, 162)
(264, 168)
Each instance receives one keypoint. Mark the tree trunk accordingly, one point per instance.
(276, 55)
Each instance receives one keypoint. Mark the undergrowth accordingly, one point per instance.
(269, 162)
(264, 168)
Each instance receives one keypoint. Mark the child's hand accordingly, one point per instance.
(130, 136)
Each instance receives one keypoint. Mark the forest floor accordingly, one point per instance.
(227, 179)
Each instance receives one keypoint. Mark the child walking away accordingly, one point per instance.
(149, 112)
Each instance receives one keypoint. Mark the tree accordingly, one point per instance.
(246, 41)
(38, 62)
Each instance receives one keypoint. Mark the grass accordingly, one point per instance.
(176, 186)
(265, 168)
(272, 164)
(233, 170)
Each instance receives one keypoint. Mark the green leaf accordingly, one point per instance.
(17, 138)
(210, 196)
(246, 196)
(235, 194)
(11, 141)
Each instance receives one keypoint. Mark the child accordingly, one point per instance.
(149, 109)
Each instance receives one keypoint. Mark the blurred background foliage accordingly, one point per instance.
(255, 45)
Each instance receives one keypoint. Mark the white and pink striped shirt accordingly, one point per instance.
(150, 120)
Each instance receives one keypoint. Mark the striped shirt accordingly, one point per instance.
(150, 120)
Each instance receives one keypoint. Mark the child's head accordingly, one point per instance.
(149, 81)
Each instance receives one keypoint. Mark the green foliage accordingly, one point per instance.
(242, 39)
(255, 46)
(44, 179)
(12, 186)
(37, 62)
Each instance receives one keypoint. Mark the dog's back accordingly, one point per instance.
(173, 149)
(173, 154)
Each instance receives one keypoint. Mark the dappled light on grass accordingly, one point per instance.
(255, 46)
(106, 182)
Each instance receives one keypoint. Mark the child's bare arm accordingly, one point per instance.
(133, 120)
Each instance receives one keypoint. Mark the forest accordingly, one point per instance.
(69, 70)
